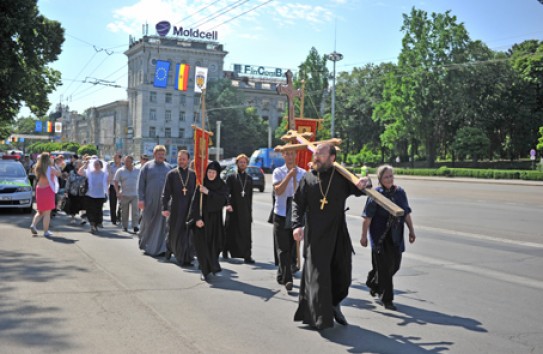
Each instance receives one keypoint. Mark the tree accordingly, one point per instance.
(29, 42)
(471, 142)
(87, 149)
(242, 130)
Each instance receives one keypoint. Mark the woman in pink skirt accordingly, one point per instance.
(46, 189)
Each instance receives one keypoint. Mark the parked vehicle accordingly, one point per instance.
(15, 189)
(256, 174)
(266, 159)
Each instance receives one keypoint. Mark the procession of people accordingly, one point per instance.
(173, 215)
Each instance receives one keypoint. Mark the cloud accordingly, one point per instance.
(290, 14)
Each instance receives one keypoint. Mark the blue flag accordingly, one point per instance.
(161, 73)
(38, 126)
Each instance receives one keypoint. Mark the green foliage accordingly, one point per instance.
(87, 149)
(364, 155)
(470, 141)
(472, 173)
(242, 130)
(73, 147)
(29, 43)
(540, 140)
(44, 146)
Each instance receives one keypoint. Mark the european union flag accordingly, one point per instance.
(161, 73)
(39, 126)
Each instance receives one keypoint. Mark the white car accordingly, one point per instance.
(15, 189)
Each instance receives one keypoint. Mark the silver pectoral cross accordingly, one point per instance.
(243, 193)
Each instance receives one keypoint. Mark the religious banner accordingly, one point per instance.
(200, 79)
(182, 77)
(58, 127)
(304, 125)
(161, 73)
(201, 152)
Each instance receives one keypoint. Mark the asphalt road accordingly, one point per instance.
(472, 282)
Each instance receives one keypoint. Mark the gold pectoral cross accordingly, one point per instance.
(323, 202)
(185, 190)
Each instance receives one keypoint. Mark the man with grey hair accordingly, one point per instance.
(125, 182)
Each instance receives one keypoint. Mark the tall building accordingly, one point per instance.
(164, 115)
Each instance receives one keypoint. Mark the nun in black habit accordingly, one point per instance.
(205, 217)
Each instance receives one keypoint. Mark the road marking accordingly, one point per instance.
(469, 235)
(477, 270)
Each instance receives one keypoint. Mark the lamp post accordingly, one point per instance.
(335, 56)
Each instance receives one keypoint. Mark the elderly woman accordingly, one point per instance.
(46, 188)
(386, 235)
(96, 194)
(75, 195)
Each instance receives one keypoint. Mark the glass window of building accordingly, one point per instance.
(196, 116)
(183, 100)
(152, 114)
(168, 132)
(168, 115)
(168, 98)
(181, 116)
(152, 96)
(181, 132)
(152, 132)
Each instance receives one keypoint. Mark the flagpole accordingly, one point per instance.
(203, 165)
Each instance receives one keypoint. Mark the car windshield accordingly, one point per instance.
(12, 170)
(253, 170)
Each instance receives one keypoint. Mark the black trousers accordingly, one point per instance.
(284, 246)
(112, 204)
(94, 208)
(386, 262)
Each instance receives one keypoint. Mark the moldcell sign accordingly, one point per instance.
(163, 28)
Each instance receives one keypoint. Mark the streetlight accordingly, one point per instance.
(335, 56)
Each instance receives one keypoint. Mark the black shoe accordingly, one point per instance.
(225, 255)
(289, 285)
(389, 306)
(338, 316)
(373, 292)
(203, 277)
(114, 222)
(187, 264)
(249, 260)
(136, 229)
(125, 229)
(167, 255)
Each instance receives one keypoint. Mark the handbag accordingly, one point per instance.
(84, 187)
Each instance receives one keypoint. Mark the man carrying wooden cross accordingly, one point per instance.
(319, 205)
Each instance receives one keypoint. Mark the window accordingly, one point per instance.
(152, 132)
(181, 132)
(168, 98)
(196, 116)
(168, 132)
(183, 100)
(152, 114)
(181, 116)
(168, 115)
(196, 101)
(152, 96)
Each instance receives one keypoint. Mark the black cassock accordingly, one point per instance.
(238, 223)
(326, 273)
(209, 239)
(178, 203)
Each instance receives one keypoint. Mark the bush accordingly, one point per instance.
(472, 173)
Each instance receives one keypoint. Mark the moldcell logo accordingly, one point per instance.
(163, 27)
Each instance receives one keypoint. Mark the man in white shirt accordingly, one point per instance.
(125, 183)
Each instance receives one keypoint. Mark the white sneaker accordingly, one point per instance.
(72, 221)
(47, 234)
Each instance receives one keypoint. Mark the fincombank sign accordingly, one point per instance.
(259, 71)
(163, 29)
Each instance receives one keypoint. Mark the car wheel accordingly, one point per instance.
(261, 189)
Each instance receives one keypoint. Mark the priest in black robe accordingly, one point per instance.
(205, 217)
(319, 205)
(239, 216)
(176, 196)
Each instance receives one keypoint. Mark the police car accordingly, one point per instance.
(15, 189)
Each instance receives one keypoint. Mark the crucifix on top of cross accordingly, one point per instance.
(289, 91)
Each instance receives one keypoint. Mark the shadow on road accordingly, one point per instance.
(227, 281)
(360, 340)
(28, 322)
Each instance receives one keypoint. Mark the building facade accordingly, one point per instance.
(164, 115)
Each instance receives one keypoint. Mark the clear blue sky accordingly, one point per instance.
(276, 33)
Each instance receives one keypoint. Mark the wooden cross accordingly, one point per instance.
(303, 143)
(289, 91)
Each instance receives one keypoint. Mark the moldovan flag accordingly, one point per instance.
(49, 127)
(200, 81)
(201, 153)
(182, 77)
(58, 127)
